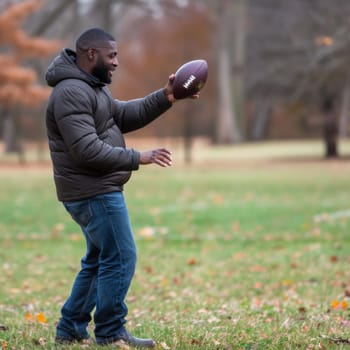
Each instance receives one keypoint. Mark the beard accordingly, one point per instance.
(101, 72)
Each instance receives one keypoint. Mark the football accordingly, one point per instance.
(190, 78)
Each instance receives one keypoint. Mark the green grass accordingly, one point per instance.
(234, 253)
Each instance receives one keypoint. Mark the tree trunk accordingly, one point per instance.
(330, 127)
(238, 55)
(345, 110)
(11, 134)
(226, 125)
(226, 129)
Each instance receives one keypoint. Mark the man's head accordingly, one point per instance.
(97, 54)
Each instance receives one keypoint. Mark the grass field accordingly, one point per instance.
(247, 248)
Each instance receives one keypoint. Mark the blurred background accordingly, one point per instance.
(278, 70)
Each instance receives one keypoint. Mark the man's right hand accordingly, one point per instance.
(160, 156)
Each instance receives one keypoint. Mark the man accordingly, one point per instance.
(91, 164)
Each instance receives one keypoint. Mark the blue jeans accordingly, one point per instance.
(106, 270)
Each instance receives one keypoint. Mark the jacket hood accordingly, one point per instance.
(64, 67)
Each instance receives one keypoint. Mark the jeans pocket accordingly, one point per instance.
(114, 202)
(80, 211)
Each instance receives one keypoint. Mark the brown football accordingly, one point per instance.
(190, 78)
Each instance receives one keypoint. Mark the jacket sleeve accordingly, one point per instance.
(73, 112)
(135, 114)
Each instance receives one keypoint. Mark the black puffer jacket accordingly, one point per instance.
(85, 126)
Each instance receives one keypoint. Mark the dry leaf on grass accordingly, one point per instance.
(3, 327)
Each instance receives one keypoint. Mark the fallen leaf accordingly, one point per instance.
(56, 230)
(239, 256)
(333, 258)
(305, 328)
(75, 237)
(339, 305)
(302, 309)
(164, 345)
(286, 323)
(192, 261)
(3, 327)
(258, 285)
(287, 283)
(147, 232)
(148, 269)
(213, 319)
(236, 226)
(218, 199)
(293, 265)
(257, 268)
(322, 346)
(41, 341)
(29, 317)
(256, 303)
(40, 317)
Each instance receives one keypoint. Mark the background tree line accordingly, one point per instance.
(277, 69)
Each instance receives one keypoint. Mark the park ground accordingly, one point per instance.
(247, 247)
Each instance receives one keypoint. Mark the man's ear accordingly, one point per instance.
(91, 54)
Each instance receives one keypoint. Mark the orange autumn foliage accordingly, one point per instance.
(15, 14)
(28, 46)
(18, 85)
(17, 76)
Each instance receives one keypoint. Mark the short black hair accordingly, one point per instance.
(93, 38)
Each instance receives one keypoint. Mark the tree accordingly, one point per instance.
(229, 27)
(263, 55)
(299, 54)
(18, 84)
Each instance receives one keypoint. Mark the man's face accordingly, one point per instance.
(106, 62)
